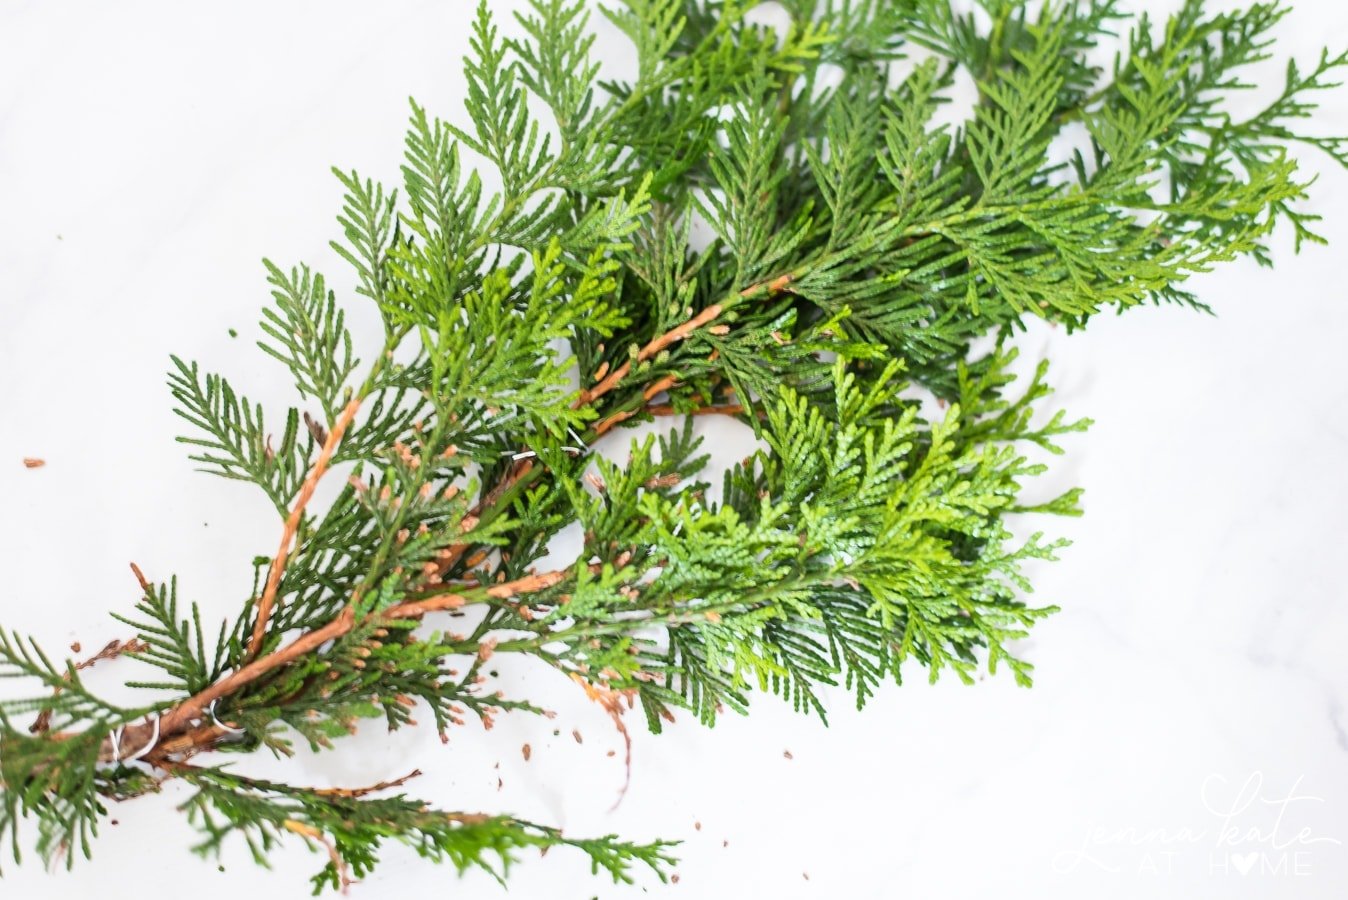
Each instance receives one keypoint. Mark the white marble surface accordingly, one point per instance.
(152, 152)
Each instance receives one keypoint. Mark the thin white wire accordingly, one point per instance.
(149, 745)
(116, 739)
(210, 710)
(528, 454)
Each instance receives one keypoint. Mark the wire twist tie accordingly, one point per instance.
(210, 711)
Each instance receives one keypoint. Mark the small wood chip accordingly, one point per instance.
(317, 431)
(32, 462)
(75, 647)
(575, 733)
(787, 754)
(697, 826)
(527, 751)
(612, 753)
(674, 879)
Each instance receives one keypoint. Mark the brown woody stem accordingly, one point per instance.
(178, 734)
(655, 345)
(180, 718)
(278, 565)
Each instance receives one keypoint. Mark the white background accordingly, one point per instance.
(151, 153)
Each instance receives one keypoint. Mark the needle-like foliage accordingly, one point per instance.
(808, 228)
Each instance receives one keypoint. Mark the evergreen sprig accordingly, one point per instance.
(856, 251)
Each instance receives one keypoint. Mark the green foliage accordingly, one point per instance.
(858, 538)
(233, 435)
(762, 223)
(58, 688)
(263, 813)
(57, 780)
(308, 333)
(175, 646)
(56, 783)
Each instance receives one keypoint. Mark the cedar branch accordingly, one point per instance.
(180, 718)
(522, 467)
(268, 600)
(654, 346)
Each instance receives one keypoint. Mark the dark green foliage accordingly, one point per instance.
(176, 646)
(308, 333)
(766, 224)
(263, 812)
(233, 432)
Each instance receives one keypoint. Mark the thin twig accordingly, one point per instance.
(309, 831)
(665, 409)
(179, 718)
(611, 701)
(111, 650)
(268, 600)
(678, 333)
(654, 346)
(355, 793)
